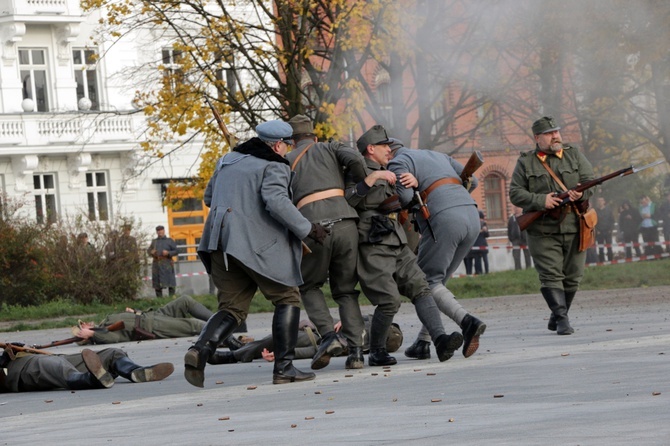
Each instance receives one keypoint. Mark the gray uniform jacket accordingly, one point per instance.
(253, 219)
(429, 166)
(162, 269)
(325, 163)
(367, 206)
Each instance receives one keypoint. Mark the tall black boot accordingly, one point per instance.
(126, 368)
(472, 328)
(379, 329)
(217, 328)
(555, 299)
(96, 378)
(569, 297)
(83, 381)
(218, 357)
(285, 336)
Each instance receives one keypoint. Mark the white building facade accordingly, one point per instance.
(69, 133)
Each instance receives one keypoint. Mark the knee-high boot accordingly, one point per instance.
(126, 368)
(569, 297)
(555, 299)
(218, 327)
(285, 335)
(246, 353)
(379, 330)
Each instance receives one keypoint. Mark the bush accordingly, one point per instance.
(41, 263)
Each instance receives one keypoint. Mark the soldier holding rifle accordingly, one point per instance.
(553, 238)
(449, 225)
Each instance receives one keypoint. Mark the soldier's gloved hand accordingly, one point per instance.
(318, 233)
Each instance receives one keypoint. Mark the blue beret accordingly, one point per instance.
(273, 131)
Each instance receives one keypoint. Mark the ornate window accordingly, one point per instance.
(494, 198)
(86, 76)
(97, 193)
(33, 66)
(46, 197)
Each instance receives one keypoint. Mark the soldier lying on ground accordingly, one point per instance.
(86, 370)
(182, 317)
(308, 342)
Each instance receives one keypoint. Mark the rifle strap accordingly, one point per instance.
(438, 183)
(297, 158)
(560, 183)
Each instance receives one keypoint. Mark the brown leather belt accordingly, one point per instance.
(438, 183)
(316, 196)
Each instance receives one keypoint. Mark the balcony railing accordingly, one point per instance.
(40, 7)
(59, 131)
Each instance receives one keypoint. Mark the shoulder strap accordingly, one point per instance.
(560, 183)
(297, 158)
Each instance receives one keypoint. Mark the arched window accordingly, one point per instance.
(494, 198)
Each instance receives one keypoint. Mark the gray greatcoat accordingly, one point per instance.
(453, 212)
(252, 218)
(162, 268)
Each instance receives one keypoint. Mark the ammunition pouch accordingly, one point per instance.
(139, 333)
(587, 229)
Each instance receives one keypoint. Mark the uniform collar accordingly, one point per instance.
(543, 156)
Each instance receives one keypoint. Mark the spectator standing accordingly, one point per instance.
(518, 239)
(629, 225)
(664, 216)
(649, 226)
(604, 229)
(162, 249)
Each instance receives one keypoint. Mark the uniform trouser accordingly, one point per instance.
(335, 261)
(175, 320)
(237, 285)
(557, 260)
(46, 372)
(456, 230)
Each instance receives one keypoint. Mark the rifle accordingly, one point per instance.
(425, 213)
(526, 219)
(16, 348)
(474, 162)
(116, 326)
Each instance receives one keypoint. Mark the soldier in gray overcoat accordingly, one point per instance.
(251, 240)
(387, 266)
(455, 224)
(318, 191)
(553, 239)
(162, 249)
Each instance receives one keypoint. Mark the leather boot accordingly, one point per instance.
(99, 377)
(555, 299)
(218, 357)
(330, 346)
(83, 381)
(355, 359)
(472, 328)
(446, 345)
(419, 350)
(285, 336)
(569, 297)
(126, 368)
(232, 343)
(379, 329)
(217, 328)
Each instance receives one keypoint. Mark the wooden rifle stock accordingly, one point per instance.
(474, 162)
(526, 219)
(16, 348)
(116, 326)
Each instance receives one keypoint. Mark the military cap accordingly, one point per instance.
(273, 131)
(395, 143)
(301, 124)
(545, 124)
(160, 227)
(376, 135)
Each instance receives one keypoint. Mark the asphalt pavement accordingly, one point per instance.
(607, 384)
